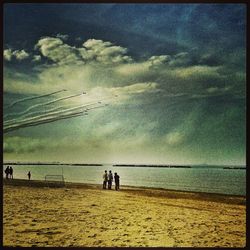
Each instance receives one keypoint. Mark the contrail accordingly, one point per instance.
(40, 112)
(63, 98)
(34, 97)
(29, 124)
(47, 119)
(43, 104)
(40, 121)
(50, 112)
(51, 115)
(32, 114)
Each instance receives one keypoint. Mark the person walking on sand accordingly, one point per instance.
(117, 181)
(11, 172)
(110, 179)
(29, 175)
(7, 171)
(105, 179)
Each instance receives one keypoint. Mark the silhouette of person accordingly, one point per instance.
(7, 171)
(105, 179)
(11, 172)
(110, 179)
(29, 175)
(117, 181)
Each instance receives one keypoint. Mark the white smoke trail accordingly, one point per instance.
(49, 115)
(34, 97)
(39, 121)
(52, 115)
(33, 114)
(41, 105)
(49, 119)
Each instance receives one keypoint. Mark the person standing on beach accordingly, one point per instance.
(11, 172)
(110, 179)
(7, 171)
(29, 175)
(105, 179)
(117, 181)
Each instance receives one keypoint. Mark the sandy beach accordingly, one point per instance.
(87, 216)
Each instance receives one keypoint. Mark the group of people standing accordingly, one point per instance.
(9, 172)
(108, 178)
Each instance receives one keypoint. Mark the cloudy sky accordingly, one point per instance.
(125, 83)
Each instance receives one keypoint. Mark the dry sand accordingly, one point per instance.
(86, 215)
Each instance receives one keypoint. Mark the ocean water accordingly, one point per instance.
(201, 179)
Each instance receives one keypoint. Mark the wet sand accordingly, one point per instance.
(87, 216)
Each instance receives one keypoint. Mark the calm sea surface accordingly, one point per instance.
(203, 179)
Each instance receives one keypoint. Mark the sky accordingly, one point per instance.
(125, 83)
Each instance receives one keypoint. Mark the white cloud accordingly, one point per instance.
(20, 54)
(159, 60)
(138, 88)
(180, 59)
(57, 51)
(101, 64)
(108, 129)
(63, 37)
(36, 58)
(18, 144)
(96, 45)
(133, 69)
(196, 72)
(145, 67)
(92, 51)
(124, 93)
(174, 138)
(17, 54)
(7, 54)
(106, 52)
(212, 89)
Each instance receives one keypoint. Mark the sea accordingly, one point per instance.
(209, 179)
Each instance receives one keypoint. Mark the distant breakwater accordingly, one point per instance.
(234, 168)
(54, 164)
(150, 166)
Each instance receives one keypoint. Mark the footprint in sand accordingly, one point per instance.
(85, 211)
(92, 236)
(98, 242)
(53, 232)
